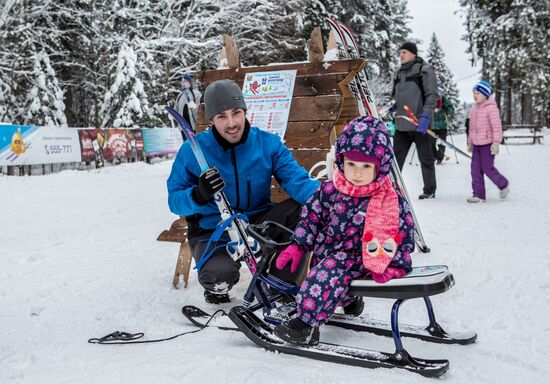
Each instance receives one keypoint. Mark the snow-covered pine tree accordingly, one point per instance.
(125, 103)
(436, 59)
(44, 104)
(507, 37)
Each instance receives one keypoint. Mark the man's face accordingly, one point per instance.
(230, 124)
(185, 84)
(406, 56)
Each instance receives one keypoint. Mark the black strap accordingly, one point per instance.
(118, 337)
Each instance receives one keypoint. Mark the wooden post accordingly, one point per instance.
(232, 52)
(183, 265)
(316, 53)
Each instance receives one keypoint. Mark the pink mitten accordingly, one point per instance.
(388, 274)
(292, 252)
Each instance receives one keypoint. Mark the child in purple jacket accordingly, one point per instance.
(356, 225)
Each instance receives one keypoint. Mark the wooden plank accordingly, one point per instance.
(303, 134)
(306, 158)
(309, 157)
(308, 134)
(312, 108)
(315, 108)
(303, 69)
(315, 84)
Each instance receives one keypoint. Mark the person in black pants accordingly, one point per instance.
(243, 159)
(415, 93)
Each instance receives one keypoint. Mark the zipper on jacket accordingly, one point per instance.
(234, 162)
(249, 192)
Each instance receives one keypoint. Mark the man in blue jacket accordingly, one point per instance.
(243, 159)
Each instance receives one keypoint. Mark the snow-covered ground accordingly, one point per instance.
(79, 259)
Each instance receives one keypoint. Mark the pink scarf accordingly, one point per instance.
(381, 230)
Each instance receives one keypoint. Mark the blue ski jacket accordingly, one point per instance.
(246, 169)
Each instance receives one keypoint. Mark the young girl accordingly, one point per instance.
(484, 137)
(355, 224)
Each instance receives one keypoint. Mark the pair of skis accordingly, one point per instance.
(363, 324)
(360, 89)
(262, 335)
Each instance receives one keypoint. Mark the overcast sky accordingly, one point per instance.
(429, 16)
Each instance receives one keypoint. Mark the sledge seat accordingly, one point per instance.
(420, 282)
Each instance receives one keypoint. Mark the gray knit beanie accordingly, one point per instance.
(222, 95)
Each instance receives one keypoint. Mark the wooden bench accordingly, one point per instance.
(178, 234)
(534, 134)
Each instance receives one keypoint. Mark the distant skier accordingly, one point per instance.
(356, 225)
(188, 101)
(444, 111)
(484, 137)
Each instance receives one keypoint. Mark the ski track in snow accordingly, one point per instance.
(79, 259)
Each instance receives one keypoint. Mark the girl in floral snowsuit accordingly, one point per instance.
(356, 225)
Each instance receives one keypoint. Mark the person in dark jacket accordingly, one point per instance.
(444, 111)
(242, 159)
(415, 88)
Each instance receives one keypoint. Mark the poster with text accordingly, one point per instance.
(268, 96)
(26, 145)
(161, 141)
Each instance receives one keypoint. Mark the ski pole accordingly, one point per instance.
(450, 135)
(411, 117)
(412, 157)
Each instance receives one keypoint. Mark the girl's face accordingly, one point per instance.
(359, 173)
(479, 97)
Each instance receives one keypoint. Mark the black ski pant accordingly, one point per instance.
(439, 149)
(220, 273)
(402, 142)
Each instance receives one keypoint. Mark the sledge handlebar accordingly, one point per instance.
(260, 233)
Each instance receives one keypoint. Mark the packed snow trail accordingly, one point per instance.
(79, 259)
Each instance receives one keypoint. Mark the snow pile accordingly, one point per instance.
(79, 259)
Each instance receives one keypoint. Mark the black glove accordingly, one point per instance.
(210, 182)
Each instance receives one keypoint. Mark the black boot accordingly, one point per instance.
(427, 196)
(355, 308)
(295, 331)
(216, 298)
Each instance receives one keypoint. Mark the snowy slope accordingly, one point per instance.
(79, 259)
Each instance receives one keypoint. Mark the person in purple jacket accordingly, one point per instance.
(484, 137)
(356, 225)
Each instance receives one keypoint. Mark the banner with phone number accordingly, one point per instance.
(25, 145)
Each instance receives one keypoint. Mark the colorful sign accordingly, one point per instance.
(161, 141)
(87, 138)
(268, 96)
(25, 145)
(115, 143)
